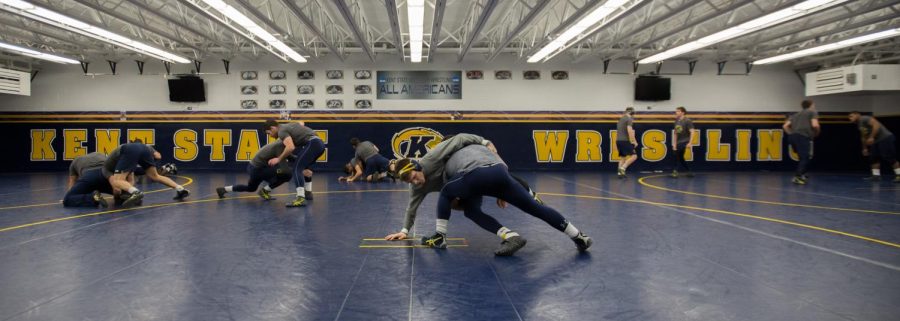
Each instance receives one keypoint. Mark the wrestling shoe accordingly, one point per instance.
(510, 246)
(582, 241)
(438, 241)
(674, 174)
(308, 195)
(221, 191)
(133, 199)
(264, 194)
(621, 173)
(100, 200)
(298, 202)
(181, 195)
(798, 180)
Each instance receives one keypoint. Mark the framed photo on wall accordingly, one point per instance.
(306, 74)
(277, 75)
(334, 74)
(277, 104)
(249, 90)
(334, 104)
(362, 74)
(306, 89)
(363, 104)
(335, 89)
(503, 75)
(475, 74)
(248, 104)
(277, 89)
(531, 75)
(560, 75)
(362, 89)
(249, 75)
(305, 104)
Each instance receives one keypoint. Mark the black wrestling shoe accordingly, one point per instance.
(438, 241)
(510, 246)
(582, 241)
(133, 199)
(308, 195)
(100, 200)
(221, 191)
(181, 195)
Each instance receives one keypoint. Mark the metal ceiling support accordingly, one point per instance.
(298, 12)
(138, 24)
(344, 9)
(846, 28)
(168, 66)
(613, 20)
(526, 22)
(197, 64)
(439, 6)
(826, 22)
(702, 19)
(473, 34)
(206, 10)
(391, 6)
(227, 66)
(51, 36)
(147, 8)
(572, 19)
(271, 24)
(112, 66)
(638, 29)
(84, 66)
(140, 65)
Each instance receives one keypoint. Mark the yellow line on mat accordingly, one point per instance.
(768, 219)
(189, 181)
(643, 182)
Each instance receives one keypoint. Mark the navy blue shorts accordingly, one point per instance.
(625, 148)
(133, 154)
(883, 150)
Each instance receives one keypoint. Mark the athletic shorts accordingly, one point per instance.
(625, 148)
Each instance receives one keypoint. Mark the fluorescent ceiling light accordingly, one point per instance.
(28, 10)
(415, 10)
(604, 11)
(239, 18)
(830, 47)
(37, 54)
(792, 12)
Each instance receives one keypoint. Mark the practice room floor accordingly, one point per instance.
(720, 246)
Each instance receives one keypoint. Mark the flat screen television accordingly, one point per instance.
(187, 89)
(652, 88)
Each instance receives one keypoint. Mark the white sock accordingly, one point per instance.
(876, 172)
(267, 188)
(441, 226)
(301, 192)
(505, 233)
(308, 186)
(179, 188)
(133, 190)
(897, 171)
(229, 189)
(571, 230)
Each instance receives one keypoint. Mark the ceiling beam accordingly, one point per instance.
(344, 9)
(391, 6)
(439, 6)
(479, 25)
(524, 23)
(271, 24)
(298, 12)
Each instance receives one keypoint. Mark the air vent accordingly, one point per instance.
(15, 82)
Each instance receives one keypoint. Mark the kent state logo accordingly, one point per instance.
(415, 142)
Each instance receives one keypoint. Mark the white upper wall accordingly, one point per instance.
(766, 89)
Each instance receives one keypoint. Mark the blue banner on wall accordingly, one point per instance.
(523, 145)
(419, 84)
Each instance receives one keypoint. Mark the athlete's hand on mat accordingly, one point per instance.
(396, 236)
(342, 178)
(501, 203)
(274, 161)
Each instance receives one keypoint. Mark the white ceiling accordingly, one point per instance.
(319, 29)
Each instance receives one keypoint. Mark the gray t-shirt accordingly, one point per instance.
(267, 152)
(365, 149)
(683, 128)
(865, 129)
(299, 134)
(801, 123)
(622, 128)
(469, 158)
(86, 162)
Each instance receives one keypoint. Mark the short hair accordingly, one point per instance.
(681, 108)
(138, 141)
(806, 104)
(270, 123)
(354, 141)
(348, 168)
(855, 113)
(629, 110)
